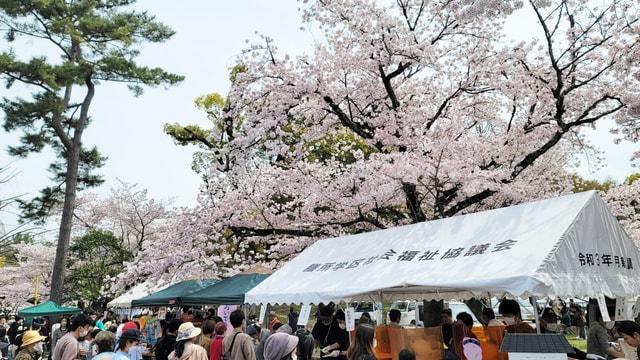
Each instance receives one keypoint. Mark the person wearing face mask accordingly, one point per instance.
(324, 328)
(512, 317)
(280, 346)
(364, 343)
(336, 341)
(128, 344)
(31, 348)
(598, 338)
(67, 347)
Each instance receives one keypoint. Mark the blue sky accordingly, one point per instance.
(209, 33)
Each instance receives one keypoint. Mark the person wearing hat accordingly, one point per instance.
(31, 348)
(128, 344)
(259, 336)
(330, 334)
(280, 346)
(186, 349)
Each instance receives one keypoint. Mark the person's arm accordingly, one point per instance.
(614, 354)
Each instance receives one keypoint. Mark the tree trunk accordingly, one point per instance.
(64, 236)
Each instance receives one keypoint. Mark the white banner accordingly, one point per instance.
(305, 311)
(602, 303)
(162, 313)
(263, 312)
(350, 318)
(620, 309)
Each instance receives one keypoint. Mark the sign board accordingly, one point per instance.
(224, 311)
(350, 318)
(620, 309)
(162, 313)
(602, 304)
(263, 312)
(305, 311)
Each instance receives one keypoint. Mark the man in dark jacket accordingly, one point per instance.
(167, 343)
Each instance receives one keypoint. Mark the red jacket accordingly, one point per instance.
(216, 348)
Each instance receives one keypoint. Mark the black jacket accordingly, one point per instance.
(165, 346)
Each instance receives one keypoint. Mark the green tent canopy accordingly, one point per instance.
(46, 309)
(229, 291)
(173, 294)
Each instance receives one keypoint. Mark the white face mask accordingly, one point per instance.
(342, 326)
(609, 325)
(510, 321)
(38, 348)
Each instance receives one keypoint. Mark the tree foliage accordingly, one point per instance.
(94, 258)
(96, 41)
(406, 111)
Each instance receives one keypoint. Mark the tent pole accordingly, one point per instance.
(534, 302)
(384, 317)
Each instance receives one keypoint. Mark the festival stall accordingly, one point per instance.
(48, 308)
(172, 295)
(230, 291)
(122, 304)
(566, 246)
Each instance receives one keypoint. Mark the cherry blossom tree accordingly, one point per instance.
(624, 202)
(34, 266)
(405, 111)
(128, 212)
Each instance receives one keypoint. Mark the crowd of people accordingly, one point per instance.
(207, 337)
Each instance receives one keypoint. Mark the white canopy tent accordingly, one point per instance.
(139, 291)
(566, 246)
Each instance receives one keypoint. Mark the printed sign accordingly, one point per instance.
(305, 311)
(162, 313)
(620, 309)
(350, 319)
(602, 303)
(224, 311)
(263, 312)
(414, 255)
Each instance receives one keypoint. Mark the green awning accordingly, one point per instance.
(229, 291)
(48, 308)
(173, 294)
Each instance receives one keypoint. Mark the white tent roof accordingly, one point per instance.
(135, 293)
(566, 246)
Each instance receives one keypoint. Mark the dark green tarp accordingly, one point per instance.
(229, 291)
(47, 308)
(173, 294)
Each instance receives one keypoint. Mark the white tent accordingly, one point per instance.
(141, 290)
(566, 246)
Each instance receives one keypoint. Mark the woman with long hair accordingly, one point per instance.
(362, 347)
(186, 349)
